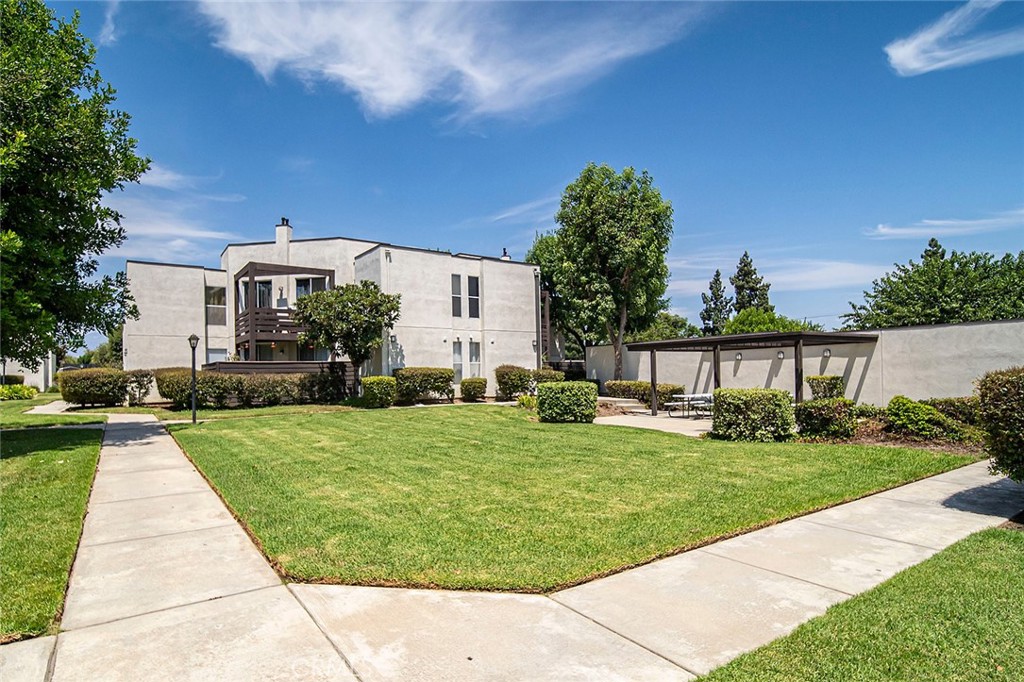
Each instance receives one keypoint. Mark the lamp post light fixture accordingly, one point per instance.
(193, 341)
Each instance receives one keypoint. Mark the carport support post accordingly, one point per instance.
(798, 360)
(654, 383)
(718, 366)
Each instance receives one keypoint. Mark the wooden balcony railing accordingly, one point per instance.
(266, 324)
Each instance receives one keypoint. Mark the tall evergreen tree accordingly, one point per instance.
(751, 289)
(716, 307)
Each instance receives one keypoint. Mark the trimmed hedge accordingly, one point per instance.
(760, 415)
(1001, 397)
(965, 410)
(17, 392)
(325, 387)
(99, 386)
(641, 390)
(140, 381)
(473, 389)
(417, 383)
(567, 401)
(13, 379)
(826, 418)
(512, 380)
(910, 418)
(825, 386)
(546, 376)
(868, 411)
(379, 392)
(250, 389)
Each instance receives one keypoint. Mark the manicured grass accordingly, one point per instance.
(482, 497)
(45, 476)
(12, 414)
(165, 414)
(955, 618)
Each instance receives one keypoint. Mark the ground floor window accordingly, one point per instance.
(457, 361)
(474, 358)
(264, 352)
(308, 354)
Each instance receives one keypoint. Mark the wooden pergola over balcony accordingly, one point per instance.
(265, 323)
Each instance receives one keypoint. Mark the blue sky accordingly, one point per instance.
(828, 139)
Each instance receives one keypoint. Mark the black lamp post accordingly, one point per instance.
(193, 341)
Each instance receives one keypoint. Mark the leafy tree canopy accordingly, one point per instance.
(666, 326)
(351, 319)
(717, 307)
(753, 320)
(614, 233)
(62, 148)
(941, 289)
(750, 288)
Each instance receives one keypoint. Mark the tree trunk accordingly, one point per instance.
(617, 336)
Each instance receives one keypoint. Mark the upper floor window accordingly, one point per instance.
(474, 296)
(309, 285)
(456, 295)
(264, 294)
(216, 305)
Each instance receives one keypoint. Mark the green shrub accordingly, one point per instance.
(54, 388)
(12, 379)
(418, 383)
(641, 390)
(216, 389)
(546, 376)
(140, 381)
(964, 410)
(326, 387)
(1001, 398)
(826, 386)
(473, 389)
(379, 391)
(567, 401)
(867, 411)
(752, 414)
(99, 386)
(512, 381)
(264, 389)
(826, 418)
(910, 418)
(527, 401)
(17, 392)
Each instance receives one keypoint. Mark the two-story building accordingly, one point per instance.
(468, 312)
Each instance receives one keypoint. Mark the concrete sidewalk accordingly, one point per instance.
(687, 426)
(167, 586)
(53, 407)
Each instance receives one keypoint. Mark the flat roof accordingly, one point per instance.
(172, 265)
(755, 340)
(376, 244)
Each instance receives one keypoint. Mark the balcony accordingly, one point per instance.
(255, 323)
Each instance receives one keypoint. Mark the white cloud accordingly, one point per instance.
(108, 33)
(165, 178)
(539, 210)
(1007, 220)
(944, 44)
(480, 59)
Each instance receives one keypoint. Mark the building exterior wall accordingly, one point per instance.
(40, 378)
(918, 362)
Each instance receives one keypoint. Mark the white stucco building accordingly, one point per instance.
(464, 311)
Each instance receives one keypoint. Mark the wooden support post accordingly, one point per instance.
(654, 383)
(798, 360)
(718, 366)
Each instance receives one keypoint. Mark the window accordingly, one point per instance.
(457, 360)
(456, 295)
(216, 305)
(216, 354)
(243, 296)
(310, 285)
(308, 354)
(474, 358)
(474, 296)
(264, 352)
(264, 292)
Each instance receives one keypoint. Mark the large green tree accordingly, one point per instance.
(614, 231)
(63, 148)
(943, 289)
(351, 319)
(666, 326)
(717, 307)
(754, 320)
(750, 288)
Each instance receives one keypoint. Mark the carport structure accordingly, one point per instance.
(740, 342)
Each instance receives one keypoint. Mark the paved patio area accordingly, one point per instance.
(687, 426)
(166, 585)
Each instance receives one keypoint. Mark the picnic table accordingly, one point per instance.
(687, 403)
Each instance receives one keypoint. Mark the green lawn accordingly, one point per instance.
(45, 477)
(483, 497)
(12, 414)
(164, 414)
(958, 617)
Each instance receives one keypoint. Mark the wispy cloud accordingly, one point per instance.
(165, 178)
(945, 45)
(479, 59)
(108, 33)
(1007, 220)
(539, 210)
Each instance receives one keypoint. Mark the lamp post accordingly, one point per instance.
(193, 341)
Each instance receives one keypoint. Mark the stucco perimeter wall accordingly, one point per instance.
(919, 362)
(40, 378)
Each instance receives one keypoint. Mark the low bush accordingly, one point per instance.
(257, 389)
(418, 383)
(140, 382)
(826, 418)
(826, 386)
(216, 389)
(17, 392)
(567, 401)
(1001, 414)
(527, 402)
(964, 410)
(12, 379)
(868, 411)
(473, 389)
(380, 392)
(752, 414)
(910, 418)
(546, 376)
(174, 384)
(54, 388)
(512, 381)
(99, 386)
(326, 387)
(641, 390)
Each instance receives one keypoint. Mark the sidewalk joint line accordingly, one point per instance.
(159, 535)
(873, 535)
(323, 631)
(153, 497)
(784, 575)
(51, 662)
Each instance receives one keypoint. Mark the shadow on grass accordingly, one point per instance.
(27, 442)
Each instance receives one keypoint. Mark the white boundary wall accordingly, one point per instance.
(936, 361)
